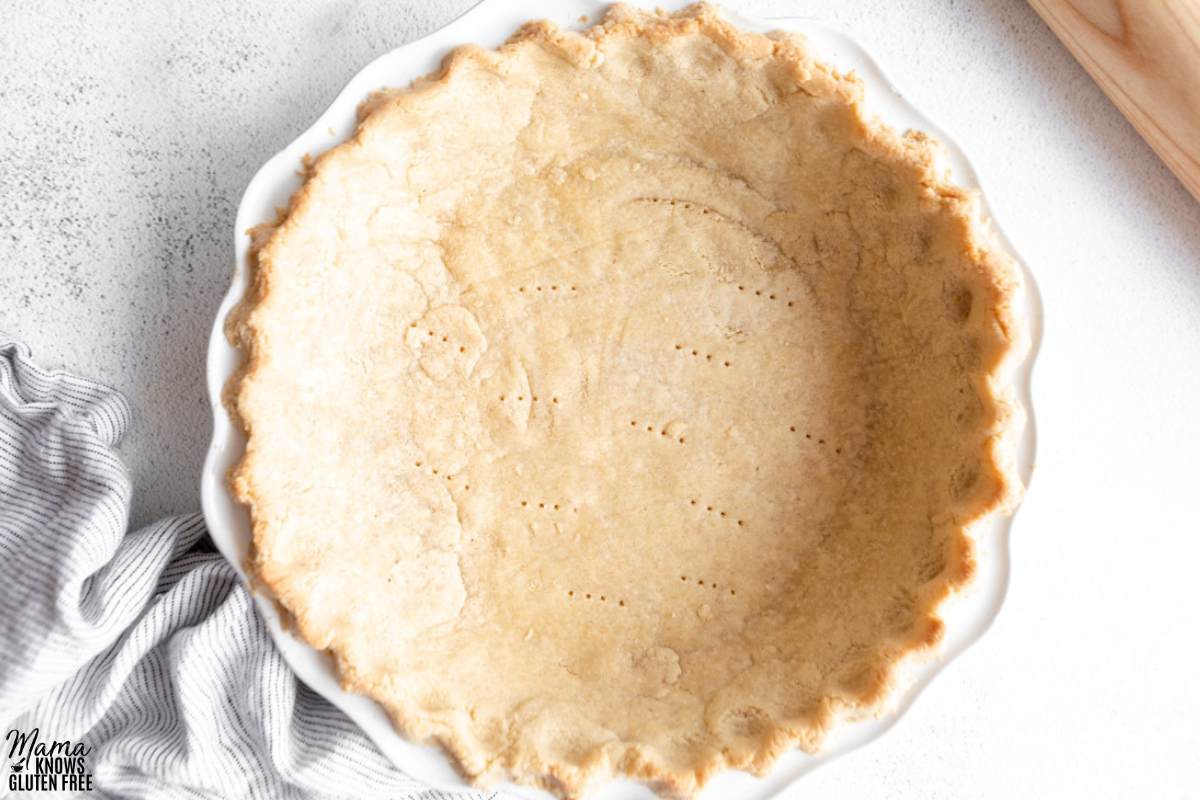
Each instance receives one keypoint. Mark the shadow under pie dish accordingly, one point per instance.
(619, 402)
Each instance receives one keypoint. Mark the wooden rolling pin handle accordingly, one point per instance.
(1145, 55)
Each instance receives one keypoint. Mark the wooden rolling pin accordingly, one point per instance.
(1145, 54)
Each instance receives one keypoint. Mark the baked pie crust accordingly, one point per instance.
(619, 402)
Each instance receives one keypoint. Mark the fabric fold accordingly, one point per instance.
(144, 648)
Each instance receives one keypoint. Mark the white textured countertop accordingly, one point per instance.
(127, 134)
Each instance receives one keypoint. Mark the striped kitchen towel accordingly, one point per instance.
(135, 660)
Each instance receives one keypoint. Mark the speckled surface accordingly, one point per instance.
(128, 131)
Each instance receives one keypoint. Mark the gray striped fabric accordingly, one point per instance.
(143, 645)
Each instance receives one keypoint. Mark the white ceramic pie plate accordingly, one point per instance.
(489, 23)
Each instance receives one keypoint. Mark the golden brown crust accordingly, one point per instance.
(892, 276)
